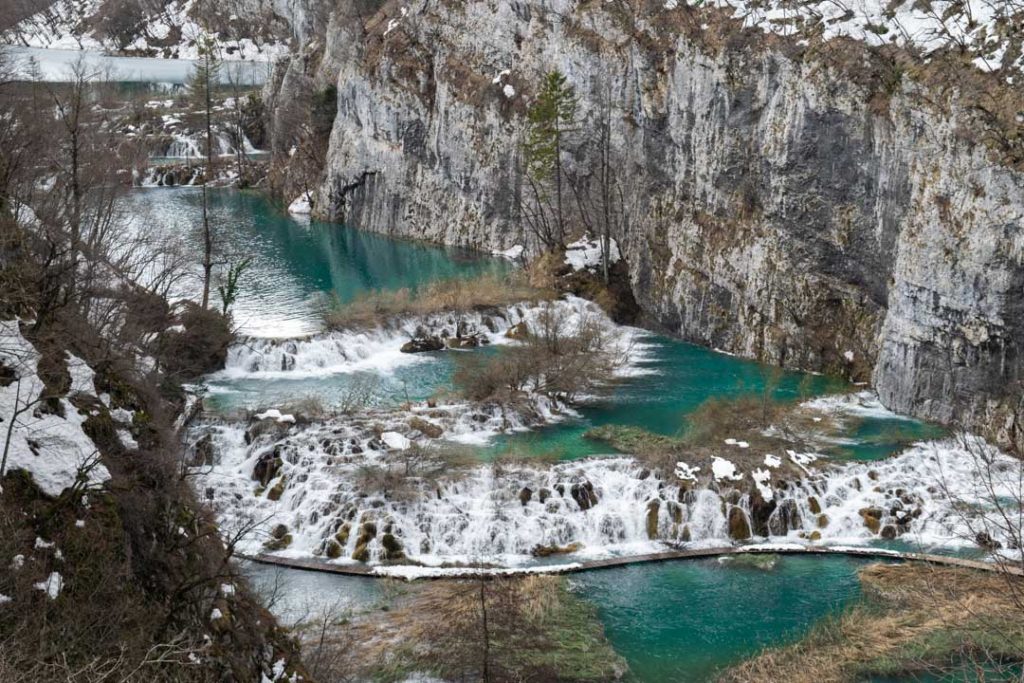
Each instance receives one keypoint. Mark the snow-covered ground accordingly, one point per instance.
(65, 26)
(988, 29)
(51, 447)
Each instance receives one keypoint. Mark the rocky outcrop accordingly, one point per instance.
(806, 204)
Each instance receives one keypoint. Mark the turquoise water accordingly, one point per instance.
(680, 622)
(677, 622)
(296, 265)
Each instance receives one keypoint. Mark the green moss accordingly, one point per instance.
(628, 439)
(277, 491)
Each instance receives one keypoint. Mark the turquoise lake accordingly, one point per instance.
(301, 266)
(673, 622)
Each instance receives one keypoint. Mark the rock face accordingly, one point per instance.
(797, 205)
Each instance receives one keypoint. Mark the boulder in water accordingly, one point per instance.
(518, 331)
(279, 538)
(652, 518)
(428, 429)
(739, 526)
(203, 451)
(525, 495)
(554, 549)
(985, 540)
(267, 467)
(392, 547)
(423, 345)
(584, 495)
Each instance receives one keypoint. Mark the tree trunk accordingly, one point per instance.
(207, 237)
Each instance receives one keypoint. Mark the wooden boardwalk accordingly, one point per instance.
(414, 572)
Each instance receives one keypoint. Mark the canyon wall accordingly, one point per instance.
(803, 202)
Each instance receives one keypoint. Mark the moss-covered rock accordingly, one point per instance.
(555, 549)
(652, 518)
(279, 538)
(277, 490)
(427, 428)
(739, 525)
(392, 547)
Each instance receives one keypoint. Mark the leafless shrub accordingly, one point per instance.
(562, 357)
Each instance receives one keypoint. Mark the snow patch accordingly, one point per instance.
(52, 585)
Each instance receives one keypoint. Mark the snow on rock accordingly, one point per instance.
(82, 376)
(983, 28)
(585, 253)
(395, 441)
(69, 25)
(859, 404)
(513, 253)
(772, 461)
(4, 599)
(17, 562)
(127, 440)
(762, 480)
(51, 448)
(724, 470)
(52, 585)
(275, 414)
(301, 206)
(216, 614)
(686, 472)
(509, 91)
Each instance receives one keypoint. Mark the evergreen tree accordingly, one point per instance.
(200, 88)
(550, 119)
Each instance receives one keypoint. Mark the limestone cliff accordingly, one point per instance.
(818, 204)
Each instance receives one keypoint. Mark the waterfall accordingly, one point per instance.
(322, 491)
(379, 348)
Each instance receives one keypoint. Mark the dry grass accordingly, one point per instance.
(457, 294)
(915, 618)
(528, 628)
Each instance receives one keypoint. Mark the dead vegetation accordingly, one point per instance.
(505, 629)
(916, 620)
(763, 422)
(559, 356)
(443, 296)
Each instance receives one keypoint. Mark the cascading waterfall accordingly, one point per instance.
(379, 348)
(320, 488)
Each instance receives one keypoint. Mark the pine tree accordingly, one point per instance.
(550, 119)
(200, 87)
